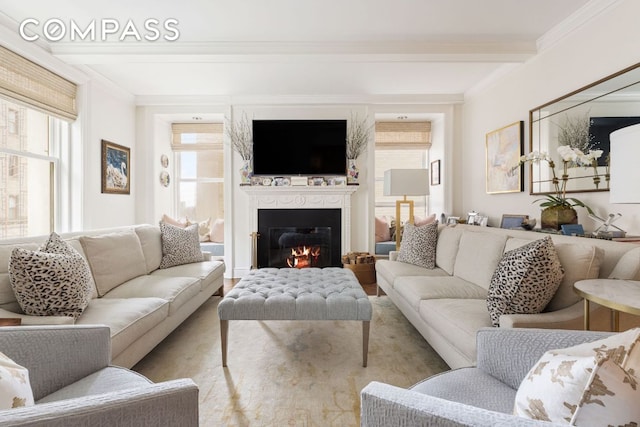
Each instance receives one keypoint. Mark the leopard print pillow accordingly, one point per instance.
(54, 280)
(418, 245)
(179, 245)
(525, 280)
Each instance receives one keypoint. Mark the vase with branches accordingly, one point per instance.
(241, 137)
(358, 134)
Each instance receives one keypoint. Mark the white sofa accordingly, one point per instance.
(140, 303)
(447, 304)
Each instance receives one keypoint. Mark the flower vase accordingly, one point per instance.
(554, 216)
(352, 171)
(246, 172)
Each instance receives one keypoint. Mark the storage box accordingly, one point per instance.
(366, 273)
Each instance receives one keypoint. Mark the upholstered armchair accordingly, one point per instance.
(483, 395)
(73, 383)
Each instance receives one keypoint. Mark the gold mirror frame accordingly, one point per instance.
(597, 109)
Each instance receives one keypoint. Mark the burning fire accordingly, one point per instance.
(303, 256)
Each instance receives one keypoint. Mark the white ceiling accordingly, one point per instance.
(309, 47)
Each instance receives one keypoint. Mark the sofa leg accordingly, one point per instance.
(365, 342)
(224, 332)
(377, 290)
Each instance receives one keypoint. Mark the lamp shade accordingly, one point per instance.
(406, 182)
(625, 173)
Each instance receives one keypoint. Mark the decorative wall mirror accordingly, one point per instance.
(583, 119)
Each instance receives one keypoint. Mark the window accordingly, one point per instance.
(400, 145)
(198, 153)
(36, 106)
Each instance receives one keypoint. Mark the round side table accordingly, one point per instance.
(618, 295)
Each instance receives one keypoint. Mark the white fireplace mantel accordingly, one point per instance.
(304, 197)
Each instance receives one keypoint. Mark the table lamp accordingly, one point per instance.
(405, 182)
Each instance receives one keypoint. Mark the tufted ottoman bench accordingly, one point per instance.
(330, 293)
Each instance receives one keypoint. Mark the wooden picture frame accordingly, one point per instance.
(513, 221)
(116, 170)
(504, 148)
(435, 172)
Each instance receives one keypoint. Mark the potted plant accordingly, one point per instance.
(358, 133)
(559, 209)
(241, 136)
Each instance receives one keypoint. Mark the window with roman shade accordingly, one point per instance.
(400, 145)
(199, 167)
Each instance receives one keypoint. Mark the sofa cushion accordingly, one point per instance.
(179, 246)
(588, 384)
(114, 258)
(151, 244)
(206, 271)
(447, 247)
(418, 245)
(382, 232)
(478, 256)
(389, 271)
(127, 318)
(416, 288)
(54, 280)
(15, 388)
(525, 280)
(628, 267)
(176, 290)
(579, 262)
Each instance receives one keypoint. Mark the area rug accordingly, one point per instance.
(290, 373)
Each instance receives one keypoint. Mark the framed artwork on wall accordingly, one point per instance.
(504, 147)
(116, 171)
(435, 172)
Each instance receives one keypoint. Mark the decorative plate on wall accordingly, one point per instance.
(164, 178)
(164, 161)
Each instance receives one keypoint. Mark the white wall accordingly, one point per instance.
(109, 114)
(596, 50)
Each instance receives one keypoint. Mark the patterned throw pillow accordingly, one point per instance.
(590, 384)
(15, 389)
(525, 280)
(54, 280)
(179, 245)
(418, 245)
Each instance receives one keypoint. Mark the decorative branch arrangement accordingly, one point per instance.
(574, 132)
(241, 136)
(358, 134)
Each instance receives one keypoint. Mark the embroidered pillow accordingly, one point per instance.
(418, 245)
(54, 280)
(179, 245)
(525, 280)
(589, 384)
(15, 389)
(204, 229)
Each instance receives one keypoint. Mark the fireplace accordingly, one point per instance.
(299, 238)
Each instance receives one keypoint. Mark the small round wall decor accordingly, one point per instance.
(164, 161)
(164, 178)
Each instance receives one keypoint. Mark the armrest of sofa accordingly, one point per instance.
(37, 320)
(384, 405)
(169, 403)
(509, 354)
(57, 356)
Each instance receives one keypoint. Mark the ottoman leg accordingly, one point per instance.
(365, 342)
(224, 332)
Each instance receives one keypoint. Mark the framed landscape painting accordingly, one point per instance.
(116, 169)
(503, 148)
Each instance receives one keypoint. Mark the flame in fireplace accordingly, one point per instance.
(303, 256)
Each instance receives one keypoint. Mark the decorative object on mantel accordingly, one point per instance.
(559, 209)
(241, 136)
(358, 134)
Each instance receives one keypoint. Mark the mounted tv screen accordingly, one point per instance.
(299, 147)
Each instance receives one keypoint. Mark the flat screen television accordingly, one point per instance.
(299, 147)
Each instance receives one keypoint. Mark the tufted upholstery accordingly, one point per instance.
(297, 294)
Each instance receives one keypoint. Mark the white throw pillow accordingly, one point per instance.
(15, 388)
(592, 384)
(179, 245)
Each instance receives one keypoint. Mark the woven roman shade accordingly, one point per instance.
(27, 82)
(197, 136)
(403, 135)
